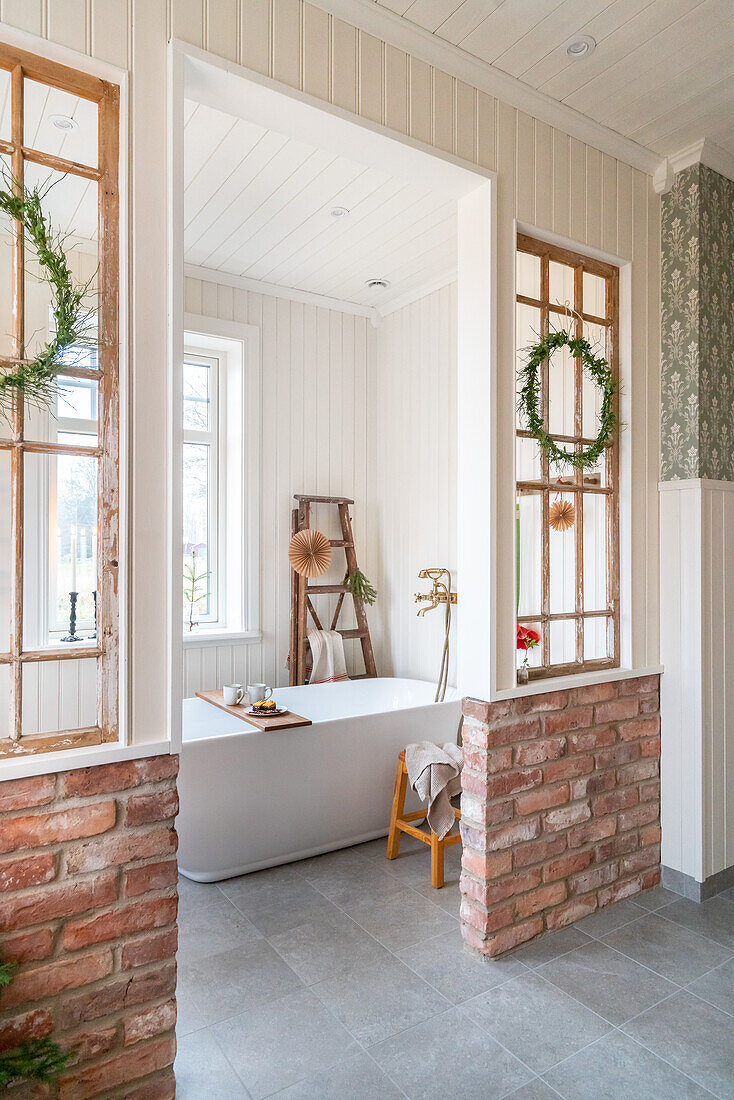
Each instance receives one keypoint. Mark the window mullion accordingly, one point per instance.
(17, 458)
(545, 473)
(108, 547)
(578, 416)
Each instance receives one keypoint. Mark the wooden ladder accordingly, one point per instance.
(302, 591)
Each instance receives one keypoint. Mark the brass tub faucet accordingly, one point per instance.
(440, 592)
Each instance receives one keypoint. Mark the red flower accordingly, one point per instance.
(526, 638)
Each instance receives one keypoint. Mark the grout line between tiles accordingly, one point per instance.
(624, 955)
(667, 1063)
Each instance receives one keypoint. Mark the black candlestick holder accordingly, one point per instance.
(72, 636)
(94, 597)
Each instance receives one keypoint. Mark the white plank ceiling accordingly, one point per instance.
(662, 72)
(257, 204)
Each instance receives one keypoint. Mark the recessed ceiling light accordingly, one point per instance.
(339, 212)
(377, 284)
(580, 46)
(63, 122)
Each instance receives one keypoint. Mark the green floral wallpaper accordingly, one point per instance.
(697, 408)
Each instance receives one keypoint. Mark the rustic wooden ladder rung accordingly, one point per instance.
(302, 591)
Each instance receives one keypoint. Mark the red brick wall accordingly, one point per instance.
(88, 901)
(560, 808)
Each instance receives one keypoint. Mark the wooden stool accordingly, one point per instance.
(400, 823)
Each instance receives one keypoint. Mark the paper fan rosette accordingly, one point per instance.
(309, 553)
(562, 515)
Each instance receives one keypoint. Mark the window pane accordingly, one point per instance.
(563, 642)
(74, 407)
(560, 284)
(196, 397)
(535, 653)
(529, 522)
(528, 326)
(597, 476)
(597, 639)
(5, 551)
(528, 459)
(60, 546)
(70, 204)
(595, 295)
(5, 104)
(563, 565)
(196, 529)
(528, 275)
(6, 281)
(59, 123)
(590, 392)
(4, 701)
(59, 695)
(561, 392)
(595, 551)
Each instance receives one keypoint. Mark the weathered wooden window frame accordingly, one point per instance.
(106, 95)
(573, 483)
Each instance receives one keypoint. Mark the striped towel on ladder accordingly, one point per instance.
(327, 656)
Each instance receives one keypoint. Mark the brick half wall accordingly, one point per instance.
(88, 902)
(560, 808)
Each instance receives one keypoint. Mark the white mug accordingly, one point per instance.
(257, 693)
(233, 694)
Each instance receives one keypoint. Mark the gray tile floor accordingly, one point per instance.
(344, 978)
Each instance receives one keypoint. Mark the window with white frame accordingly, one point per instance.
(220, 481)
(202, 574)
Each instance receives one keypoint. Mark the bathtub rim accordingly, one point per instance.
(248, 730)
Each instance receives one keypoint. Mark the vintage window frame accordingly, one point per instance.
(547, 486)
(107, 649)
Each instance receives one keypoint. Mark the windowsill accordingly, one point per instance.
(47, 763)
(200, 639)
(576, 679)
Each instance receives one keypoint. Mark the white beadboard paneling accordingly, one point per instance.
(697, 700)
(256, 205)
(412, 429)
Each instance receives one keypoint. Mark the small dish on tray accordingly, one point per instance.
(272, 712)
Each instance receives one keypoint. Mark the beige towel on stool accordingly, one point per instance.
(434, 772)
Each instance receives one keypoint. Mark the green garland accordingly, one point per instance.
(529, 398)
(36, 381)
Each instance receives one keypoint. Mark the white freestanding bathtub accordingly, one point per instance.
(251, 799)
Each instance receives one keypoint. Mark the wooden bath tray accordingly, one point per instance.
(283, 722)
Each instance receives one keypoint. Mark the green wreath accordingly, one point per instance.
(529, 398)
(36, 380)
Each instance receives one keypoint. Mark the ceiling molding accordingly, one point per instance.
(240, 282)
(700, 152)
(420, 43)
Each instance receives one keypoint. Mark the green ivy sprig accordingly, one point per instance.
(529, 398)
(36, 381)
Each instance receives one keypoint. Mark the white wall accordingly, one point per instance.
(412, 450)
(697, 699)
